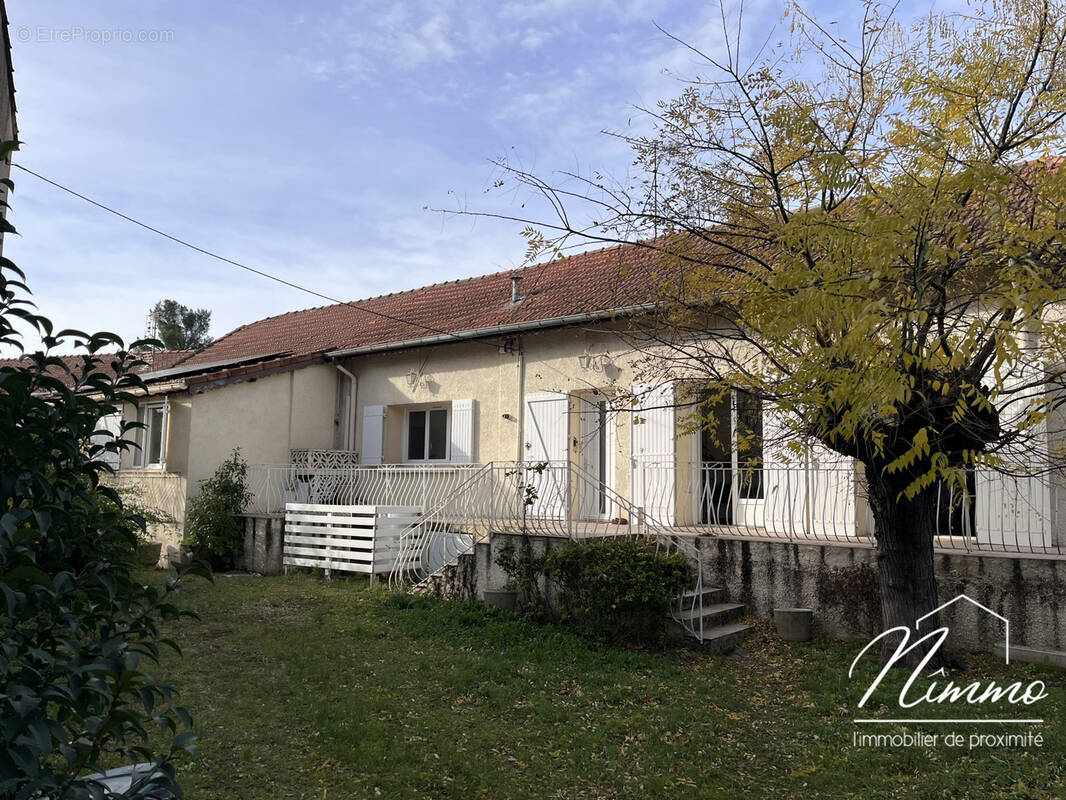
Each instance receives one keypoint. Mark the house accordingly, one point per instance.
(529, 365)
(156, 488)
(497, 368)
(459, 397)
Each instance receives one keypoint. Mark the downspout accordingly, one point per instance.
(520, 454)
(353, 405)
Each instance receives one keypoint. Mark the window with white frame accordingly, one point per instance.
(152, 438)
(426, 434)
(749, 444)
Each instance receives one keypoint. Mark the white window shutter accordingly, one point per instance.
(373, 434)
(653, 451)
(462, 431)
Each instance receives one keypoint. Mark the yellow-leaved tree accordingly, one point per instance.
(868, 233)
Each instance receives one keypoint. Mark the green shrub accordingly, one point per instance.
(618, 589)
(78, 632)
(525, 571)
(212, 527)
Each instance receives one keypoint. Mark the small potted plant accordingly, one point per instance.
(524, 570)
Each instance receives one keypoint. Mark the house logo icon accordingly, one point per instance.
(1006, 622)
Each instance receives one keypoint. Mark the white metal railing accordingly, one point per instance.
(445, 531)
(828, 503)
(1000, 513)
(323, 459)
(795, 502)
(422, 485)
(777, 501)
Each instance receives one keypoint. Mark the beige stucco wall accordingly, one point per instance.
(447, 373)
(266, 418)
(498, 380)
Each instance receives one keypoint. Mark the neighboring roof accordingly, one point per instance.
(589, 283)
(163, 359)
(159, 360)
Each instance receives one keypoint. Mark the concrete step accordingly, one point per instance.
(725, 638)
(713, 615)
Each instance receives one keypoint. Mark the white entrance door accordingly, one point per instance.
(547, 431)
(654, 461)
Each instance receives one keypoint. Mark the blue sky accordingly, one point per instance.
(306, 139)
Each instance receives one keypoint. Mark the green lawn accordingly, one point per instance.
(301, 688)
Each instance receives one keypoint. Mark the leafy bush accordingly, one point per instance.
(525, 571)
(619, 589)
(211, 523)
(77, 631)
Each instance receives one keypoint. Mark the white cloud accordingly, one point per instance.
(534, 38)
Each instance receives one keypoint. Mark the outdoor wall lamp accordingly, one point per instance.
(412, 378)
(601, 362)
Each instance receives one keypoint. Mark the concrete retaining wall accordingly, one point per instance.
(840, 583)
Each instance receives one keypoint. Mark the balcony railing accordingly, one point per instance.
(422, 485)
(997, 513)
(324, 459)
(794, 502)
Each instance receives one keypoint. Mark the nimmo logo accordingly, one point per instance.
(944, 701)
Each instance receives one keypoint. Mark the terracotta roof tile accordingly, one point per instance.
(601, 280)
(162, 359)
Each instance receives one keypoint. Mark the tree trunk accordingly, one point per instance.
(904, 530)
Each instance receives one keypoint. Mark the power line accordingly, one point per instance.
(245, 267)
